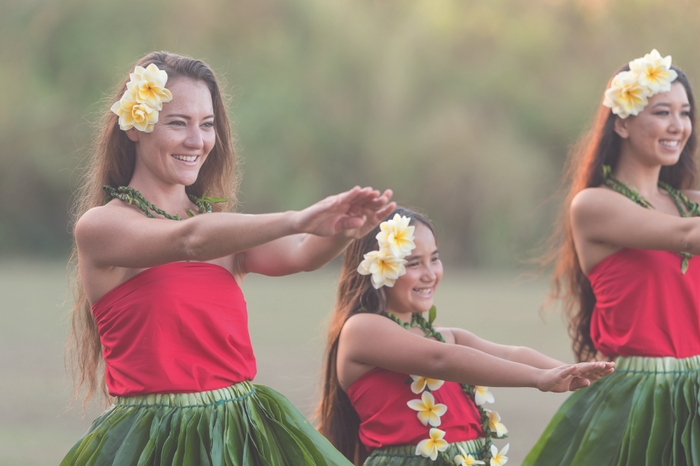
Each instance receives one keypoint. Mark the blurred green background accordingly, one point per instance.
(465, 108)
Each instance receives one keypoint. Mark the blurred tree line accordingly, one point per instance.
(465, 108)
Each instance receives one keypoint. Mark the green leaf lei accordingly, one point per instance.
(686, 207)
(133, 197)
(417, 320)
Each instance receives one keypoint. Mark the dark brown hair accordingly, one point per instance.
(600, 146)
(111, 162)
(338, 420)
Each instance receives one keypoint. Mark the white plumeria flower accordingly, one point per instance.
(498, 458)
(626, 95)
(431, 446)
(419, 384)
(654, 71)
(396, 235)
(384, 267)
(464, 459)
(482, 395)
(428, 411)
(135, 115)
(495, 423)
(149, 85)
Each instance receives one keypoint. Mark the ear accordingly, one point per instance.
(133, 134)
(620, 127)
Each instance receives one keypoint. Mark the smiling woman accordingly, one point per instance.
(158, 302)
(626, 270)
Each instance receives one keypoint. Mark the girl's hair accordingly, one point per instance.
(111, 162)
(600, 146)
(338, 420)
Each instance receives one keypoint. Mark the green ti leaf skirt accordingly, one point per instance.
(405, 455)
(645, 413)
(244, 424)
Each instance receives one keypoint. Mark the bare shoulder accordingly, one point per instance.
(597, 204)
(692, 194)
(363, 323)
(103, 220)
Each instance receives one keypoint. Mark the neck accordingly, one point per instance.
(631, 171)
(171, 198)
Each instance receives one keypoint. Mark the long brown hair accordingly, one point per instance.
(338, 420)
(111, 162)
(600, 146)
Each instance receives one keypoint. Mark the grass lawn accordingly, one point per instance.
(287, 323)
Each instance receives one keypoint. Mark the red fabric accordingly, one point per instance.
(645, 306)
(176, 328)
(380, 398)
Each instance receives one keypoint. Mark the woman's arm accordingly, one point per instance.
(306, 252)
(375, 341)
(116, 235)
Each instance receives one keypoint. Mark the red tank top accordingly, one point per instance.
(645, 306)
(180, 327)
(380, 398)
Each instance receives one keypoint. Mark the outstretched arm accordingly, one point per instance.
(373, 341)
(331, 224)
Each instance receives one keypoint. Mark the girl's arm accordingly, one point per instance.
(118, 236)
(372, 340)
(520, 354)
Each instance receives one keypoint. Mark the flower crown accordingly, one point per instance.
(629, 91)
(143, 99)
(395, 242)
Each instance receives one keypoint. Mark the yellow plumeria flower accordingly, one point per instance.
(384, 267)
(464, 459)
(482, 395)
(495, 423)
(396, 235)
(654, 72)
(149, 86)
(428, 411)
(135, 115)
(498, 458)
(626, 96)
(431, 446)
(419, 384)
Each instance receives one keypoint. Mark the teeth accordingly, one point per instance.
(669, 143)
(423, 291)
(186, 158)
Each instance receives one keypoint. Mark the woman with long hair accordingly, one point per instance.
(626, 272)
(159, 320)
(398, 391)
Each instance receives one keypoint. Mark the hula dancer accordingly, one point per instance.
(627, 273)
(158, 270)
(399, 391)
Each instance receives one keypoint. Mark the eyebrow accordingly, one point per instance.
(410, 258)
(666, 104)
(186, 117)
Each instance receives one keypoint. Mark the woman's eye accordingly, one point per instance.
(177, 123)
(412, 264)
(208, 124)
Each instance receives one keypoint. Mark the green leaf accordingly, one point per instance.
(684, 265)
(432, 313)
(214, 200)
(189, 213)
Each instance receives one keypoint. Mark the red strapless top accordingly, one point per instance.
(181, 327)
(380, 398)
(645, 306)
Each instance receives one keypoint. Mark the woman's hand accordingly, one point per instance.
(571, 377)
(353, 213)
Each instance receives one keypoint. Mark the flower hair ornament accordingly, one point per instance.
(143, 99)
(395, 242)
(630, 90)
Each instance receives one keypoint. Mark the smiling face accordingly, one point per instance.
(659, 133)
(181, 140)
(414, 291)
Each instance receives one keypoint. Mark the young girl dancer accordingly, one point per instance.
(629, 279)
(395, 387)
(158, 299)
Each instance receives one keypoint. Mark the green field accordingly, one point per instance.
(287, 319)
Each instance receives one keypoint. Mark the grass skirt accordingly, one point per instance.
(405, 455)
(645, 413)
(244, 424)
